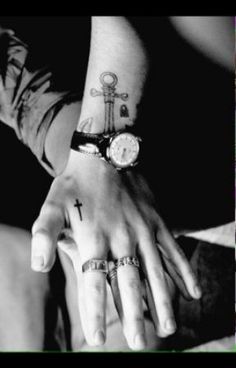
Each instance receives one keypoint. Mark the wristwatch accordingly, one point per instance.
(121, 149)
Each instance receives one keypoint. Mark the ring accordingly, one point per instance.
(112, 274)
(95, 265)
(112, 271)
(124, 261)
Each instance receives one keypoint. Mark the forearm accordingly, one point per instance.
(58, 138)
(43, 118)
(117, 51)
(212, 35)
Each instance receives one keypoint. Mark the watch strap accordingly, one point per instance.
(80, 138)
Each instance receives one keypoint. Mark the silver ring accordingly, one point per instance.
(95, 265)
(112, 274)
(124, 261)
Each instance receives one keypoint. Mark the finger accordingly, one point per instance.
(95, 304)
(131, 308)
(150, 305)
(128, 294)
(159, 290)
(92, 244)
(45, 232)
(174, 253)
(92, 293)
(170, 268)
(113, 282)
(146, 295)
(67, 244)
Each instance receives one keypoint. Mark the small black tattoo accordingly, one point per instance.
(85, 125)
(109, 81)
(129, 123)
(78, 205)
(124, 112)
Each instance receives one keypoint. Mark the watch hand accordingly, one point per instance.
(123, 153)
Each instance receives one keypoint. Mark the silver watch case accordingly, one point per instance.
(108, 156)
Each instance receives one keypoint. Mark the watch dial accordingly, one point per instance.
(124, 150)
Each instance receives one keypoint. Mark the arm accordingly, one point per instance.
(213, 36)
(44, 119)
(116, 49)
(32, 107)
(111, 214)
(118, 207)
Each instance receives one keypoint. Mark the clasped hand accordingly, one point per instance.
(111, 215)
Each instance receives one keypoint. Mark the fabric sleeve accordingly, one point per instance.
(28, 99)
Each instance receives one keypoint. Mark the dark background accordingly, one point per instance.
(186, 121)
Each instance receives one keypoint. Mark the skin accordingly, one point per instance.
(126, 224)
(213, 35)
(22, 328)
(108, 231)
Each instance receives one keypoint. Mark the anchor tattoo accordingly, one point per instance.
(109, 81)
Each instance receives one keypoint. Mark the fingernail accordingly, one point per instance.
(140, 341)
(170, 325)
(197, 291)
(37, 262)
(99, 337)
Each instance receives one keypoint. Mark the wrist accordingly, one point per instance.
(121, 149)
(58, 139)
(87, 164)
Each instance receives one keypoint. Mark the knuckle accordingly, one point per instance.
(157, 273)
(98, 236)
(166, 305)
(134, 285)
(39, 230)
(35, 226)
(95, 246)
(96, 288)
(68, 181)
(136, 319)
(51, 206)
(122, 243)
(122, 235)
(98, 318)
(147, 234)
(142, 223)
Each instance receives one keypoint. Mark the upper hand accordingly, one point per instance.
(116, 217)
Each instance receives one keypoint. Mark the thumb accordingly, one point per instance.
(45, 232)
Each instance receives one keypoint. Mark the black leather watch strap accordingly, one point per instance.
(80, 138)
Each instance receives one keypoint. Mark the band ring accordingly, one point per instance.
(95, 265)
(124, 261)
(112, 274)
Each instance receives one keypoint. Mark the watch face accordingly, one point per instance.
(124, 150)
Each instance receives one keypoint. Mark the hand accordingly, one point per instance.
(111, 215)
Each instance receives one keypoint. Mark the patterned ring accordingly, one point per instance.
(95, 265)
(124, 261)
(112, 274)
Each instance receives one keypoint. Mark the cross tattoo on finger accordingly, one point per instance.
(78, 205)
